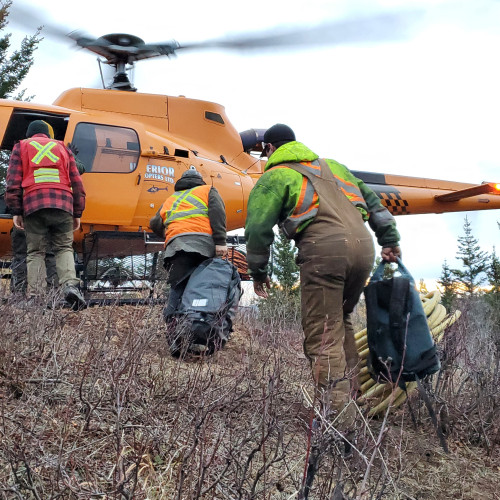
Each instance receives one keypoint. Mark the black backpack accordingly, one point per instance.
(400, 343)
(204, 318)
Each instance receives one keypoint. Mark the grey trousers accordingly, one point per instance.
(18, 282)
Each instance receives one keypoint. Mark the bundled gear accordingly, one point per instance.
(399, 339)
(204, 317)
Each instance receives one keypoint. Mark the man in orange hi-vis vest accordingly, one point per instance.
(193, 222)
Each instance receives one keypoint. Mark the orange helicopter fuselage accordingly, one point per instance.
(134, 147)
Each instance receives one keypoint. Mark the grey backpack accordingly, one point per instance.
(207, 309)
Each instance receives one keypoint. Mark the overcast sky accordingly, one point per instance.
(422, 101)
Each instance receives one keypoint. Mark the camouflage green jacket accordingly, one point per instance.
(275, 196)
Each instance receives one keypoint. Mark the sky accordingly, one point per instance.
(421, 99)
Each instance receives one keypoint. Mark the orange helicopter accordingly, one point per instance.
(134, 147)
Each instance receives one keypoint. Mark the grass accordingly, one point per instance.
(93, 406)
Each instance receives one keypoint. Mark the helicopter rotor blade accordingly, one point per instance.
(23, 16)
(383, 27)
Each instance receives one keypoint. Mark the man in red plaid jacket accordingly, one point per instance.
(46, 196)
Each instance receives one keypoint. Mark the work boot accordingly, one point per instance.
(348, 443)
(74, 298)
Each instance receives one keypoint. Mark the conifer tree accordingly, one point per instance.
(493, 295)
(283, 305)
(449, 285)
(493, 273)
(474, 261)
(285, 269)
(13, 68)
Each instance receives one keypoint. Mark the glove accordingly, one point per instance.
(72, 147)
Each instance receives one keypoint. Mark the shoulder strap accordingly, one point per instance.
(398, 312)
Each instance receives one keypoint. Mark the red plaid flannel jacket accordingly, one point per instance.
(19, 204)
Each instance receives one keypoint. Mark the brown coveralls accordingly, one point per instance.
(336, 255)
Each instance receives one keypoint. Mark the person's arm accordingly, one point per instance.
(156, 224)
(381, 220)
(217, 217)
(263, 213)
(79, 164)
(14, 190)
(77, 186)
(382, 223)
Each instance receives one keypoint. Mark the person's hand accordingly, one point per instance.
(390, 254)
(76, 223)
(72, 147)
(221, 250)
(18, 221)
(259, 287)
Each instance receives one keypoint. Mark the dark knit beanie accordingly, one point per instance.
(38, 127)
(191, 174)
(279, 133)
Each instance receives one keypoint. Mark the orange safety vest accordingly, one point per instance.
(186, 212)
(308, 202)
(45, 164)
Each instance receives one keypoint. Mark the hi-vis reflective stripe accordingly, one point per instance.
(198, 207)
(44, 151)
(307, 204)
(46, 175)
(350, 190)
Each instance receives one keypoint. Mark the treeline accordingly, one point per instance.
(478, 274)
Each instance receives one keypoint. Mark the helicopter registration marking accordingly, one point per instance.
(160, 173)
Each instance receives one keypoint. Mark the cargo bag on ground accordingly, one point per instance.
(400, 343)
(204, 319)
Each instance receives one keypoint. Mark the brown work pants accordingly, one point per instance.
(333, 272)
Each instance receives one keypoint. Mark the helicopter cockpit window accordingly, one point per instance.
(214, 117)
(104, 148)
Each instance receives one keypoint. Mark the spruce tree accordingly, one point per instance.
(286, 271)
(474, 261)
(283, 305)
(13, 68)
(493, 273)
(449, 285)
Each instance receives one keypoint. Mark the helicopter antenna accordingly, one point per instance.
(100, 71)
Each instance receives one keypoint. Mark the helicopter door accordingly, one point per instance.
(230, 188)
(110, 155)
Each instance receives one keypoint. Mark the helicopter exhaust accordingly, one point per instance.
(252, 138)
